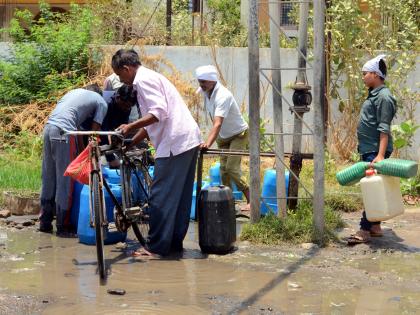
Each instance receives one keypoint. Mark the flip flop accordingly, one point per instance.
(357, 239)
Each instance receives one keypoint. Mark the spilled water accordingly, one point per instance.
(61, 275)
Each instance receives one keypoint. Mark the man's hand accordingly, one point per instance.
(378, 158)
(204, 146)
(124, 129)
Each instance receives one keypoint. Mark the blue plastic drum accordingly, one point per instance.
(269, 191)
(204, 185)
(85, 232)
(215, 180)
(111, 175)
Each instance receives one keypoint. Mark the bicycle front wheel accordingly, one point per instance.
(98, 210)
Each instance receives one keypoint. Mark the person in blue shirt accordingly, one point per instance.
(74, 108)
(374, 132)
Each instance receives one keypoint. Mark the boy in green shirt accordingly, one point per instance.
(374, 132)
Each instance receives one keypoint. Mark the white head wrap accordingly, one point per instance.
(207, 73)
(373, 66)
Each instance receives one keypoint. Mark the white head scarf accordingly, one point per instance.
(207, 73)
(373, 66)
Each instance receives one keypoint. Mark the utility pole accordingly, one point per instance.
(301, 99)
(254, 110)
(168, 22)
(274, 10)
(319, 104)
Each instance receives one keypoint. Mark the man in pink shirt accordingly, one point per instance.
(167, 121)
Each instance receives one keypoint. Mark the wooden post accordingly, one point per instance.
(254, 110)
(168, 22)
(274, 11)
(296, 159)
(318, 104)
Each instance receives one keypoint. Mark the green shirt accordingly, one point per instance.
(376, 115)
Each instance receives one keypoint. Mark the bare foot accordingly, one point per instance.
(144, 253)
(246, 208)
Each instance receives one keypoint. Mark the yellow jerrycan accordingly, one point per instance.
(381, 196)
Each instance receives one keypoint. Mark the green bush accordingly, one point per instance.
(49, 55)
(296, 228)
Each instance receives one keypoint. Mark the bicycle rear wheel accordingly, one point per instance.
(98, 210)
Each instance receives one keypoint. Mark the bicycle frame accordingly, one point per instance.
(126, 214)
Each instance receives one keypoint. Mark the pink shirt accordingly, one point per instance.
(176, 131)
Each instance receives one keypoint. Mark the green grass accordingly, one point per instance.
(20, 175)
(296, 228)
(346, 202)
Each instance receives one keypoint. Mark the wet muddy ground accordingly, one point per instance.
(43, 274)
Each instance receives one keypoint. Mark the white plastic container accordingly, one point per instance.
(381, 196)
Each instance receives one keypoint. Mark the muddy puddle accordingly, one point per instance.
(42, 274)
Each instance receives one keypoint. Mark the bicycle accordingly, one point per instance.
(128, 213)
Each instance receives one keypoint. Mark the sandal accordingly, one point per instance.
(358, 238)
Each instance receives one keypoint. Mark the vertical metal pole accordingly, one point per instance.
(274, 11)
(199, 180)
(254, 110)
(318, 104)
(168, 22)
(296, 159)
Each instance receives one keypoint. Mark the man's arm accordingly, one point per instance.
(383, 143)
(138, 137)
(214, 132)
(146, 120)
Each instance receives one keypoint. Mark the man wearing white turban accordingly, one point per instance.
(374, 132)
(230, 131)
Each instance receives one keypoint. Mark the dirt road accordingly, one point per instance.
(42, 274)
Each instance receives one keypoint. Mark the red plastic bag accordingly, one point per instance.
(79, 169)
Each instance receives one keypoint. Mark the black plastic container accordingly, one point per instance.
(216, 220)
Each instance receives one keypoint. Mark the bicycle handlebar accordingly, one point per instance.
(92, 133)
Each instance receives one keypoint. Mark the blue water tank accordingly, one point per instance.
(111, 175)
(204, 185)
(269, 191)
(214, 172)
(215, 180)
(151, 171)
(85, 232)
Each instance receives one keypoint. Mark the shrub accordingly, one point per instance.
(296, 228)
(50, 54)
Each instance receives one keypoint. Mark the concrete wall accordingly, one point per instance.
(233, 63)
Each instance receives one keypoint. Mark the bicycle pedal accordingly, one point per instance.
(132, 210)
